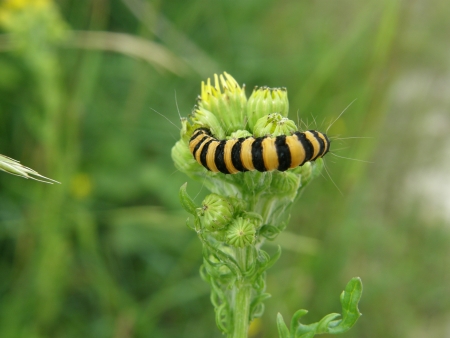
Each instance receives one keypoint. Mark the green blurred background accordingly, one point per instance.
(107, 252)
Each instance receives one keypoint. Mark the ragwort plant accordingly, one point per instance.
(247, 208)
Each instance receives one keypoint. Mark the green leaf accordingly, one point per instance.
(221, 317)
(273, 259)
(186, 201)
(222, 257)
(296, 317)
(265, 261)
(257, 302)
(324, 323)
(283, 331)
(188, 224)
(349, 300)
(269, 231)
(350, 314)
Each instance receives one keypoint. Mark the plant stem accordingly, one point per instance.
(241, 310)
(242, 292)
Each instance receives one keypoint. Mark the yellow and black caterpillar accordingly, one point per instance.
(260, 153)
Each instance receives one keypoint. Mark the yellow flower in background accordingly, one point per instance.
(18, 4)
(81, 186)
(34, 28)
(10, 8)
(23, 16)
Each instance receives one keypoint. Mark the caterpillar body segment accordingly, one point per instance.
(261, 153)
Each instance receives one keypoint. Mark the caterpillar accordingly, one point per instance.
(261, 153)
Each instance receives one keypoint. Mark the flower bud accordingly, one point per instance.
(186, 130)
(309, 171)
(226, 99)
(241, 233)
(216, 212)
(274, 124)
(183, 159)
(286, 183)
(317, 167)
(206, 118)
(239, 134)
(306, 172)
(265, 101)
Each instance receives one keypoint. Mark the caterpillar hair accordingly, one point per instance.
(261, 153)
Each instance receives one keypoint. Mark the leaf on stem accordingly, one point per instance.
(283, 331)
(349, 300)
(186, 201)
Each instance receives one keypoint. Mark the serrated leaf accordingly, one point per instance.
(186, 201)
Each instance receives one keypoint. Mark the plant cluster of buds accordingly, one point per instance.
(225, 110)
(245, 208)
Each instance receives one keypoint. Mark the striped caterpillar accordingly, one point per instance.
(261, 153)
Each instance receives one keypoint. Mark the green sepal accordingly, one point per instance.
(186, 201)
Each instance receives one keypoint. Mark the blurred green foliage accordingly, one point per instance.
(107, 254)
